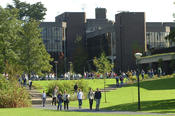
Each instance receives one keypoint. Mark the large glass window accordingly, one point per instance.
(52, 38)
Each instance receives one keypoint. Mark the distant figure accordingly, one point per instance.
(30, 84)
(142, 73)
(117, 81)
(24, 81)
(75, 88)
(66, 100)
(80, 98)
(121, 80)
(91, 98)
(97, 98)
(60, 101)
(20, 81)
(44, 98)
(54, 95)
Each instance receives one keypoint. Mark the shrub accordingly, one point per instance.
(69, 87)
(12, 95)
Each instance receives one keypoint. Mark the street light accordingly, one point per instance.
(138, 55)
(64, 25)
(56, 62)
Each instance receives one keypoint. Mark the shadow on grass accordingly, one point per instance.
(162, 106)
(159, 84)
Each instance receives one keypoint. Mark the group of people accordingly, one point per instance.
(91, 96)
(57, 96)
(23, 82)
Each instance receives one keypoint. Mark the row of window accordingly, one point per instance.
(157, 39)
(52, 38)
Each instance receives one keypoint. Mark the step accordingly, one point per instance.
(39, 101)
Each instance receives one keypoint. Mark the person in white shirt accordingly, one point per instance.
(91, 98)
(80, 98)
(44, 98)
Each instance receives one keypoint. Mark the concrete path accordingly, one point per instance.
(36, 96)
(74, 109)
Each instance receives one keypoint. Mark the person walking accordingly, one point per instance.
(80, 98)
(91, 98)
(60, 101)
(117, 81)
(142, 73)
(75, 88)
(30, 84)
(66, 100)
(54, 95)
(121, 80)
(97, 98)
(44, 98)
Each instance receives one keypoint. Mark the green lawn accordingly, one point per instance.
(41, 112)
(156, 96)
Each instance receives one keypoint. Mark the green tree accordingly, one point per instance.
(103, 66)
(171, 36)
(28, 11)
(10, 39)
(34, 57)
(79, 56)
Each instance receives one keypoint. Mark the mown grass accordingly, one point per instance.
(42, 112)
(156, 96)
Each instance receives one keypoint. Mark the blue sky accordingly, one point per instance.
(156, 10)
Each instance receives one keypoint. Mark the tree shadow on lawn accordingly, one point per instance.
(159, 84)
(162, 106)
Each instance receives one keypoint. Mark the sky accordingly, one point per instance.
(155, 10)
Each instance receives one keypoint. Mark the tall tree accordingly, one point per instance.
(103, 66)
(10, 30)
(34, 57)
(79, 56)
(28, 11)
(171, 35)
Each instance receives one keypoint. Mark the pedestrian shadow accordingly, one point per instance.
(160, 106)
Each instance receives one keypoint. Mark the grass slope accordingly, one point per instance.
(156, 96)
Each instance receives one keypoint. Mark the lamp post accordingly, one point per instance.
(112, 53)
(64, 25)
(138, 55)
(56, 62)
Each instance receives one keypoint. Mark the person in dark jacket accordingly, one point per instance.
(97, 97)
(75, 88)
(60, 101)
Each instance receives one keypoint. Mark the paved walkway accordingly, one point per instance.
(74, 109)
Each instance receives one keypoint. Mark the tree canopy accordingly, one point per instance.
(10, 30)
(34, 56)
(102, 64)
(21, 45)
(28, 11)
(171, 35)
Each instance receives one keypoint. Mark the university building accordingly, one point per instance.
(119, 39)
